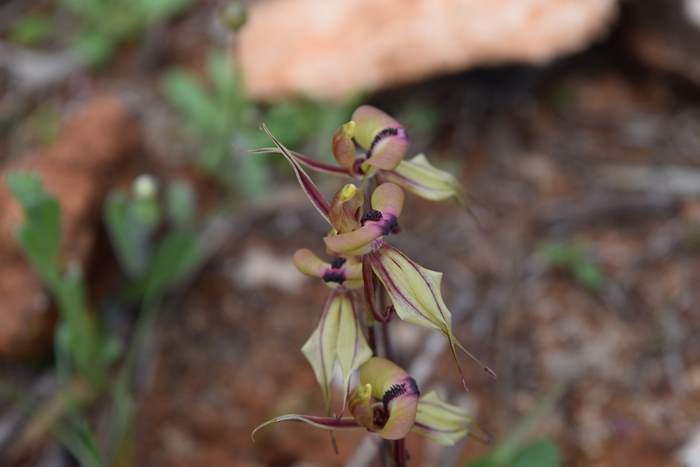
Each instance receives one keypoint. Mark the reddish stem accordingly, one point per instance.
(400, 456)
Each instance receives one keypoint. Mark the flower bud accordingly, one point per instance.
(343, 145)
(346, 208)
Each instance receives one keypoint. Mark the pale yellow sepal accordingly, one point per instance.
(439, 421)
(423, 179)
(337, 339)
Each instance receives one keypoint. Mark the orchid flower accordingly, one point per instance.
(374, 144)
(387, 402)
(414, 291)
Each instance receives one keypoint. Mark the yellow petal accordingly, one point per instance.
(421, 178)
(444, 423)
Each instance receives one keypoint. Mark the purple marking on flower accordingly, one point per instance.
(371, 215)
(334, 275)
(338, 262)
(385, 133)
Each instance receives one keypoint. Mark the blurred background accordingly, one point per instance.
(150, 314)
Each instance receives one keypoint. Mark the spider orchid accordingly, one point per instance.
(387, 402)
(414, 291)
(374, 144)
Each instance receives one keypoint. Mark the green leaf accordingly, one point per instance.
(128, 238)
(31, 29)
(174, 258)
(76, 435)
(180, 204)
(94, 48)
(155, 10)
(539, 453)
(192, 99)
(571, 257)
(40, 234)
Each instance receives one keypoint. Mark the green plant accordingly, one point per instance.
(517, 450)
(85, 352)
(366, 269)
(224, 122)
(31, 29)
(104, 24)
(573, 258)
(219, 117)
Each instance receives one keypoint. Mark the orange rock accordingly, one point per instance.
(328, 49)
(77, 168)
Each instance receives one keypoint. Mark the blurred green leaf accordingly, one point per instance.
(190, 97)
(93, 47)
(31, 29)
(180, 204)
(175, 256)
(571, 257)
(76, 435)
(155, 10)
(515, 450)
(40, 233)
(127, 236)
(540, 453)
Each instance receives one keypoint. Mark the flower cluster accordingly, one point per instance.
(370, 151)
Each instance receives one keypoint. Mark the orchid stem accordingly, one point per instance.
(400, 452)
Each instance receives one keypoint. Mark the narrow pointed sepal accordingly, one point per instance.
(309, 187)
(337, 339)
(423, 179)
(444, 423)
(307, 161)
(325, 423)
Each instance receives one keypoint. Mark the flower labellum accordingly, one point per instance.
(386, 400)
(383, 138)
(340, 272)
(382, 219)
(337, 339)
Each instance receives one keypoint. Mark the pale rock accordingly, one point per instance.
(329, 49)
